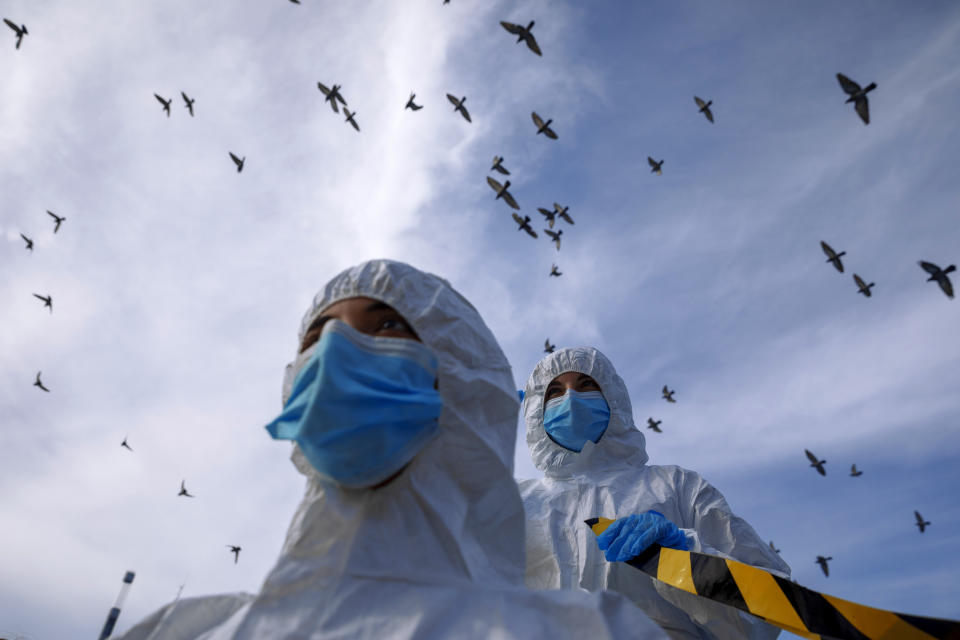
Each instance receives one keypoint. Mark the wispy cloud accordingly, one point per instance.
(178, 284)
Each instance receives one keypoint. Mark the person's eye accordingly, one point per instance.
(590, 384)
(394, 324)
(313, 334)
(553, 392)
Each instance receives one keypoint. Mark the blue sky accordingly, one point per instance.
(178, 284)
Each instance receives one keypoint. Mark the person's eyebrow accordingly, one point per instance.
(376, 305)
(584, 376)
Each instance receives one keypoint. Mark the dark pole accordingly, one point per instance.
(115, 610)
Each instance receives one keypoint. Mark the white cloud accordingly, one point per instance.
(178, 284)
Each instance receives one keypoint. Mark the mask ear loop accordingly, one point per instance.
(293, 369)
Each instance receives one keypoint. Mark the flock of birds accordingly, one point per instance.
(856, 95)
(333, 95)
(817, 464)
(38, 381)
(58, 220)
(823, 560)
(188, 103)
(937, 274)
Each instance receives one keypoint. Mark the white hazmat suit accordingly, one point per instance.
(612, 479)
(438, 552)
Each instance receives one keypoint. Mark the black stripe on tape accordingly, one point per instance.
(940, 629)
(713, 580)
(648, 561)
(816, 612)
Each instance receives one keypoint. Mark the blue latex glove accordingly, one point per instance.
(629, 537)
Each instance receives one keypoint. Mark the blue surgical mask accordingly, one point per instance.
(576, 417)
(361, 407)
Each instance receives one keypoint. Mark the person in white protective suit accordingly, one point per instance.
(412, 524)
(609, 477)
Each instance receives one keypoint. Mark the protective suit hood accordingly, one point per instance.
(622, 443)
(457, 494)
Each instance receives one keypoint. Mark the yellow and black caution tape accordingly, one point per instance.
(779, 601)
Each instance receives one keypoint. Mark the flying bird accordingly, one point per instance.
(524, 223)
(668, 394)
(704, 107)
(503, 193)
(237, 161)
(854, 472)
(498, 166)
(940, 275)
(183, 490)
(58, 219)
(547, 347)
(857, 95)
(523, 35)
(47, 300)
(543, 127)
(411, 104)
(295, 1)
(555, 236)
(654, 424)
(189, 102)
(921, 523)
(124, 443)
(833, 256)
(22, 30)
(773, 548)
(28, 241)
(816, 462)
(549, 215)
(350, 118)
(655, 166)
(555, 272)
(39, 384)
(164, 102)
(235, 550)
(562, 212)
(863, 286)
(458, 106)
(332, 96)
(823, 564)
